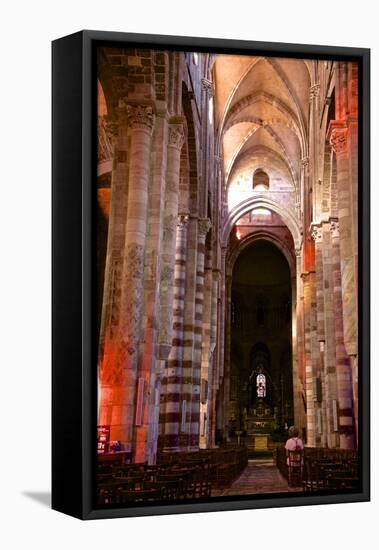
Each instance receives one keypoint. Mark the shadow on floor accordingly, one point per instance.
(42, 497)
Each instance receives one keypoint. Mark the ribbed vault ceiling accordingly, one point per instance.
(262, 109)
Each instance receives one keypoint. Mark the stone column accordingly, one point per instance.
(109, 372)
(308, 285)
(304, 185)
(343, 366)
(206, 353)
(226, 373)
(298, 341)
(343, 139)
(214, 380)
(222, 323)
(321, 423)
(140, 121)
(117, 140)
(203, 228)
(207, 94)
(172, 397)
(175, 143)
(330, 343)
(314, 130)
(188, 332)
(147, 431)
(338, 132)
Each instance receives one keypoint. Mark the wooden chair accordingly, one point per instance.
(295, 467)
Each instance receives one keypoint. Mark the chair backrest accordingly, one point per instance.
(295, 457)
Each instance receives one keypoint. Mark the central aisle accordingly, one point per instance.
(260, 476)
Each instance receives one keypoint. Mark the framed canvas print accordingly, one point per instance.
(210, 274)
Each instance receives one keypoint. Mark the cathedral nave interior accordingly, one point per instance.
(227, 260)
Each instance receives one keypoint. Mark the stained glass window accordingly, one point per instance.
(261, 385)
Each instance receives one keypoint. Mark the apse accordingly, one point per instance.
(261, 400)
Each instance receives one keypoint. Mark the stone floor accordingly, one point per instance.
(260, 476)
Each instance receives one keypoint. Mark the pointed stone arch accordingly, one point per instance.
(244, 207)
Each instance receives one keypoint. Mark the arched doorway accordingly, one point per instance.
(261, 389)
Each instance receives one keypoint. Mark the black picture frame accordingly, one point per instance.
(73, 359)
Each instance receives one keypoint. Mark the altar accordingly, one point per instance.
(260, 423)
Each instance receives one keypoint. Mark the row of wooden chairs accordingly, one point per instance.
(141, 482)
(176, 476)
(225, 464)
(324, 476)
(320, 469)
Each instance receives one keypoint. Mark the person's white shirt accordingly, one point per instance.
(294, 443)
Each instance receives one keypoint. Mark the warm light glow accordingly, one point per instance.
(98, 397)
(210, 110)
(195, 58)
(238, 235)
(261, 212)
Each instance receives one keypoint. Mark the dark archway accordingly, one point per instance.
(261, 331)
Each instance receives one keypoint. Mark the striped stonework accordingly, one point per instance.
(194, 432)
(317, 234)
(308, 283)
(330, 344)
(206, 353)
(171, 408)
(343, 366)
(188, 332)
(214, 376)
(175, 142)
(339, 140)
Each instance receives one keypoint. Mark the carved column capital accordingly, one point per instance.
(314, 92)
(182, 220)
(338, 139)
(176, 136)
(106, 135)
(139, 115)
(204, 226)
(335, 229)
(304, 162)
(207, 86)
(111, 128)
(316, 232)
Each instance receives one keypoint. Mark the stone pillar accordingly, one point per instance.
(117, 140)
(206, 353)
(303, 187)
(330, 396)
(226, 373)
(338, 140)
(172, 397)
(343, 366)
(109, 372)
(298, 377)
(214, 380)
(320, 389)
(222, 323)
(203, 228)
(308, 285)
(188, 332)
(140, 121)
(343, 139)
(147, 432)
(175, 143)
(314, 129)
